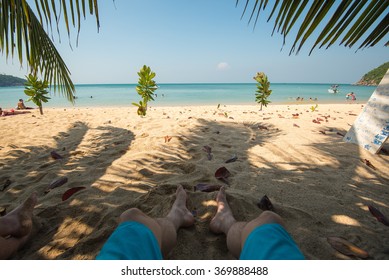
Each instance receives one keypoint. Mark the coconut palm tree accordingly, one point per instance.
(25, 34)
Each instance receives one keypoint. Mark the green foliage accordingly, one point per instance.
(313, 108)
(375, 76)
(263, 89)
(145, 88)
(37, 91)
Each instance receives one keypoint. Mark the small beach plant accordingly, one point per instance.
(145, 88)
(263, 89)
(37, 91)
(313, 108)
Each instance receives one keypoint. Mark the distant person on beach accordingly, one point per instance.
(140, 237)
(16, 227)
(6, 113)
(11, 112)
(21, 105)
(352, 96)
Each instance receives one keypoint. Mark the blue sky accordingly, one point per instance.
(196, 41)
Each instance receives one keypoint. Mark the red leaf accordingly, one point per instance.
(222, 174)
(70, 192)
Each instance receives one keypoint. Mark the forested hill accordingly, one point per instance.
(9, 81)
(374, 77)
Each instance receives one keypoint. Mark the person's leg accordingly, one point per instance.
(164, 229)
(237, 232)
(8, 246)
(18, 222)
(15, 227)
(262, 238)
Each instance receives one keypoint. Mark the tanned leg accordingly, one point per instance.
(164, 229)
(236, 231)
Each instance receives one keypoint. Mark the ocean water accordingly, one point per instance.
(190, 94)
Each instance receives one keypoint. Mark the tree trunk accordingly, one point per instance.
(41, 110)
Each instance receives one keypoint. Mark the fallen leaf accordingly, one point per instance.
(368, 163)
(55, 155)
(222, 174)
(347, 248)
(296, 125)
(322, 131)
(232, 159)
(379, 216)
(265, 204)
(56, 183)
(207, 149)
(206, 187)
(341, 134)
(168, 138)
(70, 192)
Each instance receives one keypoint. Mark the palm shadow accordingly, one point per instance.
(87, 154)
(309, 191)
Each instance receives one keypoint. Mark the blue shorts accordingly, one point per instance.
(270, 242)
(134, 241)
(131, 241)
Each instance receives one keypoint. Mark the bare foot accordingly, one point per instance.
(179, 215)
(19, 221)
(223, 219)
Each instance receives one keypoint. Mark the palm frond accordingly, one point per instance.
(351, 21)
(69, 12)
(21, 31)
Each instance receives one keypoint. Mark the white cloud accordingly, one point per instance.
(223, 66)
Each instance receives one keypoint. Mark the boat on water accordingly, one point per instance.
(333, 89)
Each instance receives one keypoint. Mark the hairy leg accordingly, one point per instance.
(164, 229)
(236, 231)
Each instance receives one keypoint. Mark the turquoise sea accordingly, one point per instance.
(100, 95)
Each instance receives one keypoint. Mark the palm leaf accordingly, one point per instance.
(352, 19)
(26, 34)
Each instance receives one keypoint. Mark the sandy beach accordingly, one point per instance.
(319, 184)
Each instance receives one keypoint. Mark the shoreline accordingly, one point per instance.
(292, 103)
